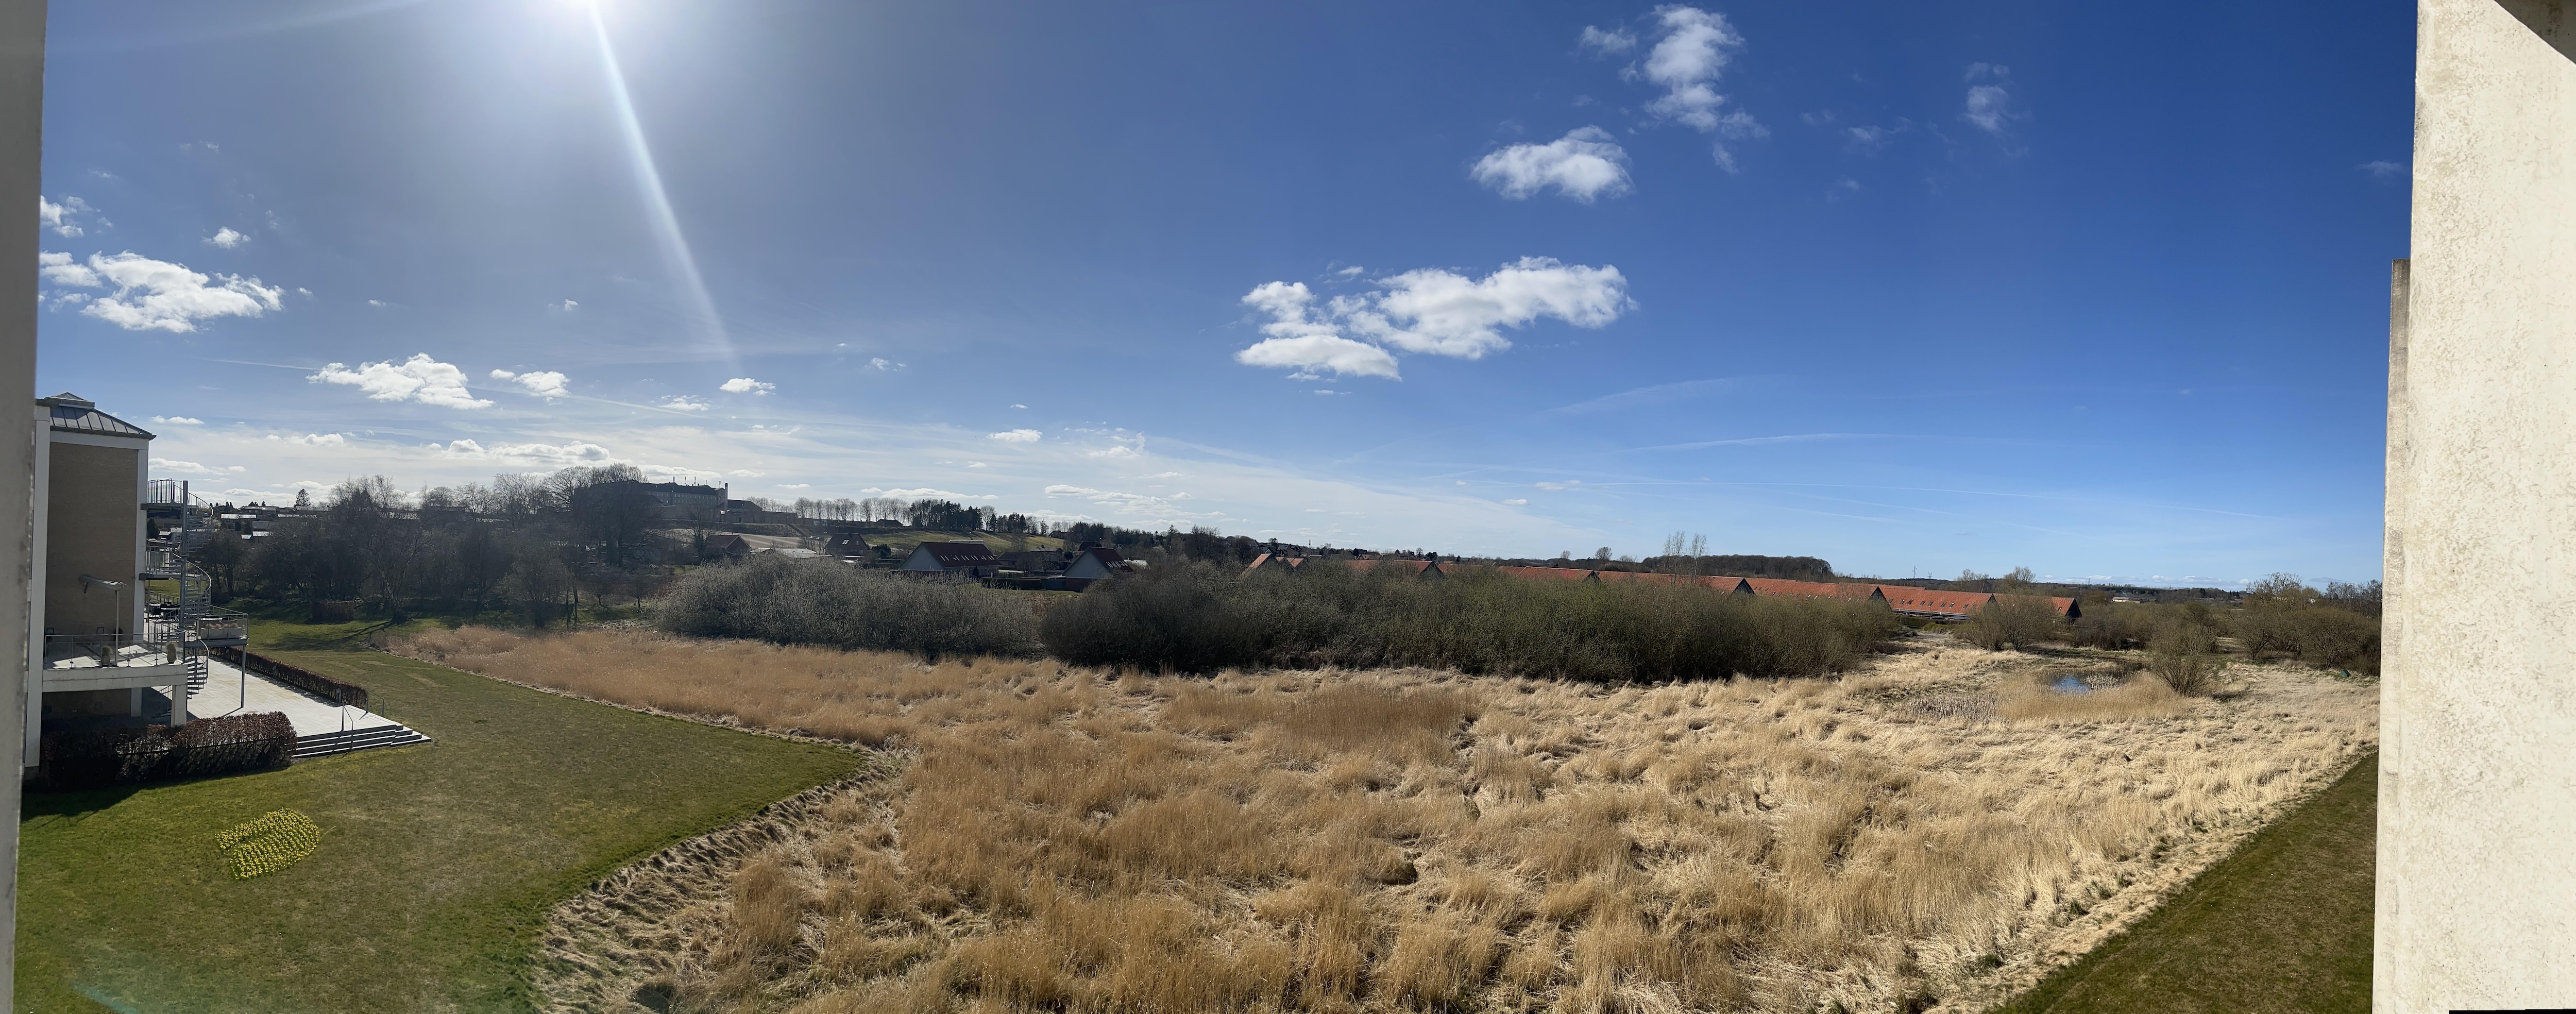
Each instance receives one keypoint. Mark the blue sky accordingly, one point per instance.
(2096, 289)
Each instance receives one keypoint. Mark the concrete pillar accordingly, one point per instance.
(22, 115)
(2477, 819)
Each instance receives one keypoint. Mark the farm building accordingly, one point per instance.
(1424, 569)
(962, 559)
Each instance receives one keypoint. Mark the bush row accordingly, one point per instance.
(773, 598)
(208, 746)
(1196, 617)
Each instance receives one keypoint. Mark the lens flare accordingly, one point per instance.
(676, 255)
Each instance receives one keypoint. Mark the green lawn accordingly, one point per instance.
(2281, 925)
(437, 864)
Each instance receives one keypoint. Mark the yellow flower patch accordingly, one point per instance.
(269, 842)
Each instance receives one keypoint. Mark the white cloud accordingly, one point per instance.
(315, 439)
(178, 420)
(58, 217)
(1871, 139)
(684, 403)
(1426, 310)
(1438, 312)
(1015, 405)
(546, 383)
(927, 492)
(1516, 502)
(885, 365)
(1124, 503)
(1018, 436)
(378, 303)
(1614, 41)
(542, 455)
(159, 295)
(1583, 164)
(1309, 355)
(567, 305)
(419, 379)
(1990, 105)
(2386, 170)
(795, 485)
(227, 238)
(1696, 47)
(1119, 451)
(1560, 486)
(59, 269)
(186, 467)
(743, 385)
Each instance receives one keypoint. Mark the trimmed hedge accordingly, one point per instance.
(95, 758)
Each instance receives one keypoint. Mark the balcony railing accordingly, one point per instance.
(111, 651)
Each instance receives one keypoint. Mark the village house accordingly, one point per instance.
(973, 560)
(1092, 564)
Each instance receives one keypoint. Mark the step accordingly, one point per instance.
(328, 743)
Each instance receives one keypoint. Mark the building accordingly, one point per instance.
(2477, 786)
(95, 655)
(1778, 588)
(961, 559)
(847, 545)
(1428, 570)
(1578, 574)
(1092, 565)
(675, 501)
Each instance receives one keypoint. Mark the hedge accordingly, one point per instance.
(93, 758)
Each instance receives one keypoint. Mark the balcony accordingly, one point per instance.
(112, 661)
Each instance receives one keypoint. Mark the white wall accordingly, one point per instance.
(2477, 819)
(22, 109)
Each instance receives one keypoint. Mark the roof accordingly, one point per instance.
(1813, 589)
(1941, 603)
(1549, 573)
(1102, 553)
(72, 412)
(961, 554)
(1420, 568)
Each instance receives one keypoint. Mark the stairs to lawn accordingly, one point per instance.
(325, 744)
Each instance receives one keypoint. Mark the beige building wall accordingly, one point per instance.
(93, 526)
(2477, 819)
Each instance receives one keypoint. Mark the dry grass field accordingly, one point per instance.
(1928, 833)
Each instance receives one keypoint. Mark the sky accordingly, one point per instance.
(2095, 289)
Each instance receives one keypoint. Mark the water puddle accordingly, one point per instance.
(2070, 684)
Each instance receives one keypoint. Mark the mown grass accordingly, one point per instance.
(2283, 925)
(437, 865)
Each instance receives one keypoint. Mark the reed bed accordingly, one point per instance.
(1926, 833)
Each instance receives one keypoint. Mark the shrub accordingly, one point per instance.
(2014, 620)
(94, 758)
(783, 601)
(1195, 618)
(2182, 658)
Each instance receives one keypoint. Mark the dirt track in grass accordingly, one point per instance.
(1939, 829)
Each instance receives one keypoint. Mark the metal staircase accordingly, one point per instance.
(188, 617)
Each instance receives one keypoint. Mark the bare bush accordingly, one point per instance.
(783, 601)
(1193, 618)
(2019, 621)
(2183, 655)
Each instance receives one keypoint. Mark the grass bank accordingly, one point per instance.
(437, 866)
(2282, 925)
